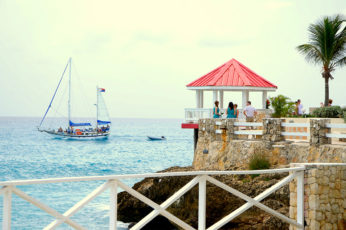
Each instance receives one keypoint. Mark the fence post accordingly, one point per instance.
(318, 131)
(202, 193)
(272, 129)
(113, 205)
(6, 221)
(230, 129)
(300, 198)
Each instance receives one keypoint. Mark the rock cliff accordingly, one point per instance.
(219, 202)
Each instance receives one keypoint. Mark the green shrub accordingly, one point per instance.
(282, 106)
(344, 113)
(258, 161)
(329, 112)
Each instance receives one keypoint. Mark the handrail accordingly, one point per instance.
(304, 125)
(257, 124)
(201, 177)
(145, 175)
(336, 126)
(298, 134)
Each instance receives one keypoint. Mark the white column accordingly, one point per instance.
(245, 96)
(202, 192)
(113, 205)
(300, 198)
(201, 97)
(197, 99)
(221, 99)
(264, 99)
(215, 96)
(7, 209)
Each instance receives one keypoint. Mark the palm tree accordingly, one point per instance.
(327, 46)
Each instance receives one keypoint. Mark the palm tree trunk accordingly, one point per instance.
(326, 89)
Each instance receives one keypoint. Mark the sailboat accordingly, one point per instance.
(79, 130)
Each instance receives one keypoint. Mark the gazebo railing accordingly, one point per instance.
(193, 114)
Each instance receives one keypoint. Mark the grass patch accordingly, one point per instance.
(257, 162)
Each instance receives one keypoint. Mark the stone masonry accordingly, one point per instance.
(219, 148)
(318, 131)
(272, 129)
(324, 197)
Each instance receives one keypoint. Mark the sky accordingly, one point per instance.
(144, 53)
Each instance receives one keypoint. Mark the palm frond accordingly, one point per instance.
(327, 42)
(341, 62)
(312, 54)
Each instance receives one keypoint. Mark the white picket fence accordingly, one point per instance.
(114, 182)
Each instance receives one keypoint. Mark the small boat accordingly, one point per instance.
(162, 138)
(82, 129)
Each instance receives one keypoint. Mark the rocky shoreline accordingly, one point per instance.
(219, 202)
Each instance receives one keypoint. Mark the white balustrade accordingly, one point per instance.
(114, 181)
(194, 114)
(336, 126)
(295, 125)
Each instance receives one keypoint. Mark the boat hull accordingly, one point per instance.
(156, 138)
(91, 136)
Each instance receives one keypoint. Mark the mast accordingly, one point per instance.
(97, 105)
(69, 93)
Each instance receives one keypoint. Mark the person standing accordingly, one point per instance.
(216, 110)
(230, 111)
(236, 111)
(299, 108)
(250, 112)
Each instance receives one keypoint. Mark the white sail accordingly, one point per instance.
(102, 112)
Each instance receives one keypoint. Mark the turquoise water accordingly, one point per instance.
(26, 153)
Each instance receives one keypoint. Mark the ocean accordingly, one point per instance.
(26, 153)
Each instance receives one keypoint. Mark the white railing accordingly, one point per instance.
(296, 125)
(114, 182)
(336, 126)
(194, 114)
(248, 125)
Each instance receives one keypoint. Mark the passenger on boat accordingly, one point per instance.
(60, 130)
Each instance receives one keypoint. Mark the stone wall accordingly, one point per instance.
(318, 132)
(219, 148)
(272, 129)
(324, 197)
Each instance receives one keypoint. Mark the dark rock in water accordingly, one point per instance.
(219, 202)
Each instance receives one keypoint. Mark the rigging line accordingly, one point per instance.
(60, 101)
(82, 89)
(58, 113)
(50, 104)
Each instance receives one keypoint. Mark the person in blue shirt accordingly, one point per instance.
(216, 110)
(231, 113)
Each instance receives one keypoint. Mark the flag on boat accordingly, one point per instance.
(102, 90)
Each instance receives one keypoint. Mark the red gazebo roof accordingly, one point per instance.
(234, 74)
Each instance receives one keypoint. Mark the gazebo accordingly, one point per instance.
(231, 76)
